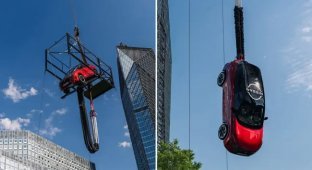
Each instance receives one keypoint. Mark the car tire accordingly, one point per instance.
(82, 79)
(223, 131)
(221, 78)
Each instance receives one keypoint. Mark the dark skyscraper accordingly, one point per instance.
(136, 67)
(163, 71)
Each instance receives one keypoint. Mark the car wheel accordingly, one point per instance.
(81, 78)
(223, 131)
(221, 78)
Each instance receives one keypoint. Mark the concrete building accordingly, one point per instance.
(9, 161)
(24, 150)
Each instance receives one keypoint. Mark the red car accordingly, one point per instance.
(243, 107)
(77, 75)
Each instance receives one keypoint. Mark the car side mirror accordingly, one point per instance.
(266, 118)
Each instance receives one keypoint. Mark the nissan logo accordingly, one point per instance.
(255, 91)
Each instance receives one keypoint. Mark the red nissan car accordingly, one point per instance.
(243, 107)
(77, 75)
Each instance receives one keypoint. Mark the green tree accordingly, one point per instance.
(172, 157)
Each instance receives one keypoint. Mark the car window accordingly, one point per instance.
(68, 74)
(249, 97)
(239, 87)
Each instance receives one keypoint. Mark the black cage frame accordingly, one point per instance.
(60, 57)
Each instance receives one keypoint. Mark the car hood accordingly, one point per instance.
(250, 139)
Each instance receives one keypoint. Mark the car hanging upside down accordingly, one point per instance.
(243, 98)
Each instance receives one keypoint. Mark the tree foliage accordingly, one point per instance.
(172, 157)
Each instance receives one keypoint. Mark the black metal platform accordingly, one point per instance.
(65, 54)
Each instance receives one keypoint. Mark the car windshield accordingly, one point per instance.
(69, 73)
(254, 85)
(249, 95)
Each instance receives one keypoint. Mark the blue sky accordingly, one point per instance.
(278, 37)
(30, 99)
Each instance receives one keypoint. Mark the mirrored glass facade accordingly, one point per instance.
(163, 71)
(136, 67)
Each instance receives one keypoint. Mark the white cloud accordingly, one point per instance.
(49, 92)
(111, 97)
(127, 131)
(2, 115)
(36, 111)
(307, 38)
(33, 111)
(49, 120)
(300, 75)
(61, 111)
(298, 55)
(17, 124)
(306, 29)
(16, 93)
(308, 3)
(50, 129)
(127, 134)
(124, 144)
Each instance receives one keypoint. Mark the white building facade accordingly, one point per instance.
(23, 150)
(9, 161)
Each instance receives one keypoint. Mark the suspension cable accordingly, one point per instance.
(73, 11)
(226, 160)
(41, 101)
(223, 36)
(189, 61)
(223, 47)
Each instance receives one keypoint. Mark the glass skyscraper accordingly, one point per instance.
(136, 67)
(163, 71)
